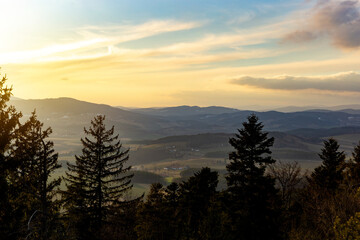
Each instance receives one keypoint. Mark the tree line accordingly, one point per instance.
(264, 199)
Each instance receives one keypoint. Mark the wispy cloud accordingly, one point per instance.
(96, 37)
(100, 45)
(343, 82)
(124, 33)
(188, 60)
(210, 42)
(337, 20)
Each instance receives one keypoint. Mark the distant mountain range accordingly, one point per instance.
(194, 110)
(314, 108)
(68, 116)
(184, 110)
(186, 131)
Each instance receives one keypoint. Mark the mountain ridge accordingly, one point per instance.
(73, 114)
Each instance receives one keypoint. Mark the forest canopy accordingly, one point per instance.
(263, 198)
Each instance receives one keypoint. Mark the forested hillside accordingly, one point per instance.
(249, 194)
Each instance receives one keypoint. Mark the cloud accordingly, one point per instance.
(299, 36)
(341, 82)
(124, 33)
(92, 38)
(207, 43)
(100, 45)
(338, 20)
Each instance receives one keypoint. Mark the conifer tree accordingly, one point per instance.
(353, 168)
(329, 175)
(323, 200)
(180, 211)
(9, 119)
(98, 177)
(36, 162)
(251, 192)
(152, 216)
(195, 197)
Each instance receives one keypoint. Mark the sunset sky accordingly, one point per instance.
(243, 54)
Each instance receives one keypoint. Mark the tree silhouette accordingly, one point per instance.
(329, 175)
(251, 191)
(196, 195)
(97, 177)
(180, 211)
(9, 119)
(288, 179)
(353, 168)
(152, 216)
(323, 199)
(36, 161)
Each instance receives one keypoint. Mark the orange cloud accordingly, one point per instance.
(337, 20)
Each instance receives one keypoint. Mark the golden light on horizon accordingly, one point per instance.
(71, 48)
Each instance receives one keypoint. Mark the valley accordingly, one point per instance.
(168, 141)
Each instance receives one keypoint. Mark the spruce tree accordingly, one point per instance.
(195, 197)
(9, 119)
(152, 217)
(36, 161)
(180, 211)
(325, 198)
(353, 168)
(329, 175)
(251, 191)
(97, 181)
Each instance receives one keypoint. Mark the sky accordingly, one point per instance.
(242, 54)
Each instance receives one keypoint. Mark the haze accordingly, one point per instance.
(166, 53)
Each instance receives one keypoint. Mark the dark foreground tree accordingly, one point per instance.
(325, 197)
(97, 181)
(353, 169)
(288, 179)
(196, 195)
(9, 122)
(329, 175)
(252, 194)
(33, 192)
(185, 211)
(153, 218)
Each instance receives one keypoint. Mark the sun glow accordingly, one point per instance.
(100, 51)
(17, 18)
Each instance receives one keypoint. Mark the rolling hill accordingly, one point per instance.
(185, 111)
(184, 132)
(68, 117)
